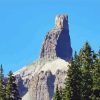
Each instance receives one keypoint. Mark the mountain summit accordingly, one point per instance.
(38, 80)
(57, 41)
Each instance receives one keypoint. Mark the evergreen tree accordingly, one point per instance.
(73, 81)
(11, 88)
(86, 61)
(57, 95)
(96, 79)
(83, 77)
(2, 84)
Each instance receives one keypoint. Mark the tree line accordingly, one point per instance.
(83, 77)
(8, 86)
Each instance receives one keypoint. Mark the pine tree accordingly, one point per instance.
(57, 95)
(86, 62)
(2, 84)
(96, 79)
(73, 81)
(11, 88)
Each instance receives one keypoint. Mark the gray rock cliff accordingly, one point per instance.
(57, 41)
(38, 80)
(43, 85)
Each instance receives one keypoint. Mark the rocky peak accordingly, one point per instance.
(61, 21)
(57, 41)
(38, 80)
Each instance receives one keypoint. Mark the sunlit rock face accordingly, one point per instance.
(57, 41)
(61, 21)
(43, 85)
(38, 81)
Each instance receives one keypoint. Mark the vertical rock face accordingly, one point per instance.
(61, 21)
(38, 80)
(43, 85)
(57, 41)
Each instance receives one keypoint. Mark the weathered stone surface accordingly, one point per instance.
(22, 85)
(38, 80)
(61, 21)
(43, 85)
(57, 41)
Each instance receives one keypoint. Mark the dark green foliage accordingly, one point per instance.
(2, 84)
(58, 94)
(8, 91)
(11, 88)
(96, 79)
(73, 80)
(83, 76)
(86, 60)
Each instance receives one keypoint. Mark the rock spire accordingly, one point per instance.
(57, 41)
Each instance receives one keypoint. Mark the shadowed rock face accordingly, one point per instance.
(43, 85)
(57, 41)
(38, 80)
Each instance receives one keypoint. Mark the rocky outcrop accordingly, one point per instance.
(38, 80)
(42, 85)
(22, 85)
(57, 41)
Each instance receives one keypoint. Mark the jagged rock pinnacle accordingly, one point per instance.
(57, 41)
(61, 21)
(38, 80)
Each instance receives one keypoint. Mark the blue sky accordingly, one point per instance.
(24, 23)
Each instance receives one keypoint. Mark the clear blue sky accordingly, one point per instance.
(24, 23)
